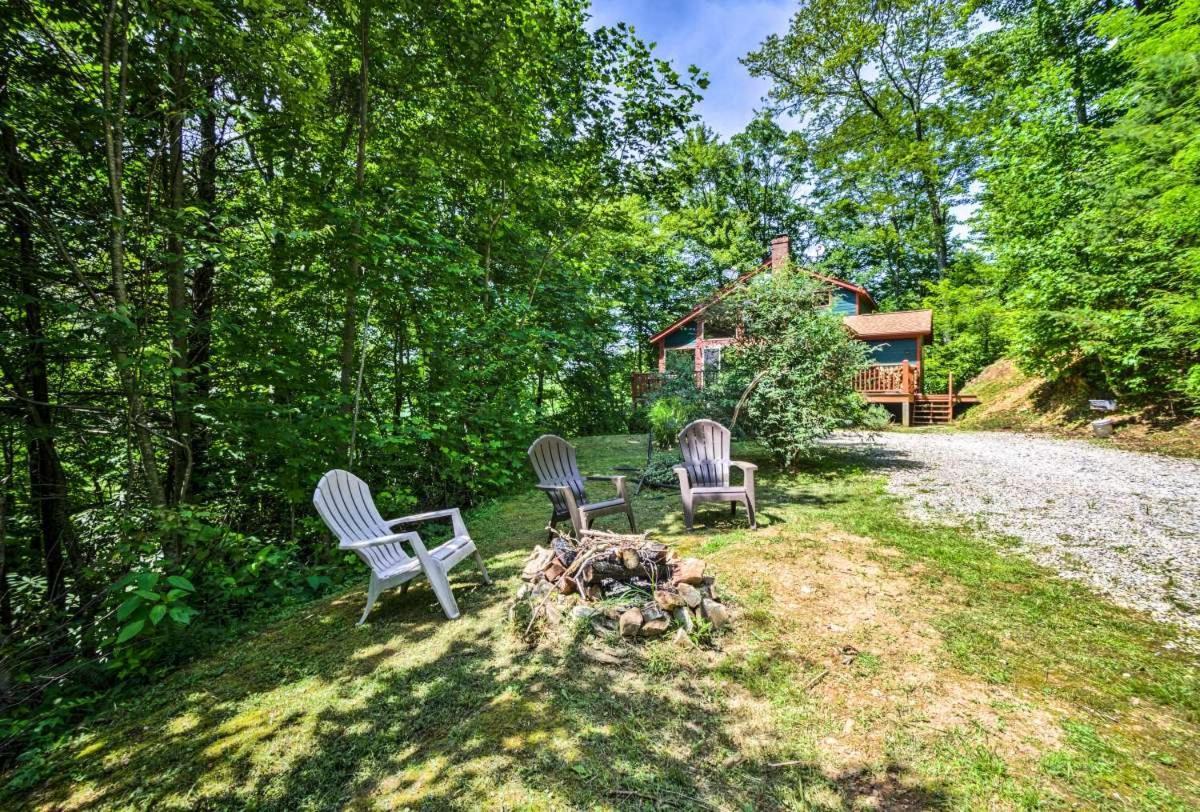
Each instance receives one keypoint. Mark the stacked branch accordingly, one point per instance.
(620, 582)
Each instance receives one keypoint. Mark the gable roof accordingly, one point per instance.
(891, 325)
(741, 280)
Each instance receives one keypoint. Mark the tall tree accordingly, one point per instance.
(869, 81)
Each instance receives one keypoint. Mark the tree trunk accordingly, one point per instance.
(937, 210)
(6, 478)
(203, 284)
(47, 480)
(399, 350)
(937, 219)
(350, 311)
(1078, 91)
(114, 138)
(179, 465)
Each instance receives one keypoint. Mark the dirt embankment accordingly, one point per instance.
(1012, 399)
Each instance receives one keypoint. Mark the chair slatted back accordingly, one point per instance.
(705, 447)
(345, 504)
(554, 463)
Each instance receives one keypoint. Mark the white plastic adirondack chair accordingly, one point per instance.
(704, 475)
(344, 502)
(553, 460)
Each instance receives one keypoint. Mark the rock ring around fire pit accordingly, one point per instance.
(620, 584)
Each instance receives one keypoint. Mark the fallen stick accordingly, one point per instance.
(812, 683)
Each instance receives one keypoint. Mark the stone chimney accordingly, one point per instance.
(781, 249)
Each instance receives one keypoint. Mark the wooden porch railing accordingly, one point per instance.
(889, 379)
(643, 383)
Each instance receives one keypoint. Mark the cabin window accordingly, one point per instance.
(681, 363)
(894, 351)
(712, 365)
(721, 321)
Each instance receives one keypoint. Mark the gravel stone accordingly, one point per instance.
(1126, 523)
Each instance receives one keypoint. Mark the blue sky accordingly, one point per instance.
(711, 34)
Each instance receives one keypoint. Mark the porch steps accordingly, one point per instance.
(931, 412)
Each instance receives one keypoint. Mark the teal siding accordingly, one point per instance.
(844, 302)
(893, 351)
(682, 337)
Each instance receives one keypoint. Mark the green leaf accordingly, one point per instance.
(180, 582)
(182, 614)
(127, 608)
(130, 631)
(153, 597)
(157, 613)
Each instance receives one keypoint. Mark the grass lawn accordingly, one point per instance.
(873, 663)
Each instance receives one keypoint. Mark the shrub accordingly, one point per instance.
(668, 415)
(659, 470)
(875, 418)
(800, 361)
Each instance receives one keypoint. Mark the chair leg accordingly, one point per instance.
(482, 569)
(441, 588)
(629, 513)
(373, 591)
(404, 587)
(733, 508)
(750, 514)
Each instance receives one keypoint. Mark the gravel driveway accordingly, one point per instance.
(1126, 523)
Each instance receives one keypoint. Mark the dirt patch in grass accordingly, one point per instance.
(859, 630)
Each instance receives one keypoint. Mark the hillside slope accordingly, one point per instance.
(1017, 401)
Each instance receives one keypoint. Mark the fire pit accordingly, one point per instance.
(619, 583)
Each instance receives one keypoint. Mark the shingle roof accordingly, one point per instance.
(883, 325)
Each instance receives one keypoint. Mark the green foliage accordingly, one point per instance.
(887, 132)
(800, 361)
(401, 238)
(667, 417)
(971, 327)
(875, 418)
(660, 470)
(1090, 198)
(150, 608)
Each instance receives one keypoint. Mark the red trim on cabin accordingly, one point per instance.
(725, 291)
(718, 296)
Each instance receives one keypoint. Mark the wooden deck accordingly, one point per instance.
(881, 383)
(902, 383)
(643, 383)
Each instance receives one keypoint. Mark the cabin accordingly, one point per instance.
(897, 339)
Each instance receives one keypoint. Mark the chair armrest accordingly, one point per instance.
(748, 469)
(365, 543)
(456, 519)
(618, 482)
(682, 474)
